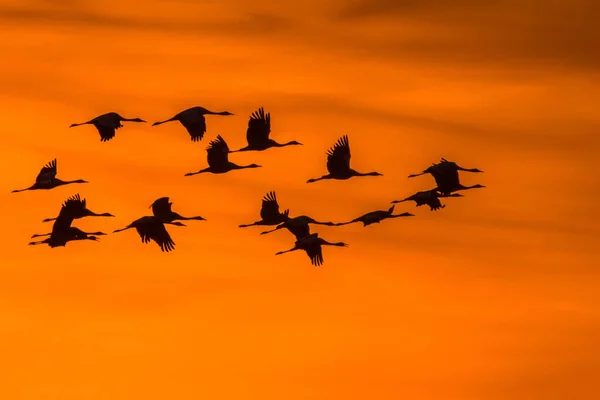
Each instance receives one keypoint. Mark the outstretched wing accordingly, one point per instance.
(270, 208)
(315, 253)
(259, 128)
(338, 156)
(73, 206)
(156, 231)
(161, 207)
(106, 132)
(196, 127)
(107, 124)
(217, 152)
(47, 173)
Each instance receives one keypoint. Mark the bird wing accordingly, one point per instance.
(62, 223)
(270, 209)
(107, 124)
(73, 206)
(156, 231)
(259, 127)
(315, 253)
(446, 179)
(217, 152)
(161, 207)
(106, 132)
(338, 156)
(196, 128)
(47, 173)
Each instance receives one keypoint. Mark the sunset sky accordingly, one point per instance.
(494, 297)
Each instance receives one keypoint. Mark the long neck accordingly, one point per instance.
(467, 169)
(90, 213)
(60, 182)
(181, 217)
(339, 244)
(276, 144)
(400, 215)
(356, 173)
(235, 166)
(328, 176)
(462, 187)
(22, 190)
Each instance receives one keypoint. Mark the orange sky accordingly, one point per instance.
(493, 298)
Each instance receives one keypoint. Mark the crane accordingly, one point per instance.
(47, 179)
(312, 245)
(217, 154)
(428, 197)
(269, 212)
(193, 121)
(153, 228)
(257, 134)
(338, 163)
(107, 124)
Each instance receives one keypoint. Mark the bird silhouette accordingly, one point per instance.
(445, 171)
(257, 134)
(70, 210)
(161, 208)
(269, 212)
(153, 228)
(193, 121)
(429, 197)
(312, 245)
(107, 124)
(79, 209)
(448, 182)
(47, 179)
(376, 217)
(444, 165)
(217, 154)
(338, 163)
(298, 226)
(59, 238)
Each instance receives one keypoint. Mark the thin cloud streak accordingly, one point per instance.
(252, 23)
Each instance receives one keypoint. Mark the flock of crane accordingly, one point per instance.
(152, 228)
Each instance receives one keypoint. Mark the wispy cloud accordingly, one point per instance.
(78, 14)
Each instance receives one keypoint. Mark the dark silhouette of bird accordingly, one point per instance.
(59, 238)
(312, 245)
(445, 174)
(448, 182)
(217, 155)
(338, 163)
(257, 134)
(78, 209)
(429, 197)
(107, 124)
(193, 121)
(47, 179)
(298, 226)
(269, 212)
(153, 228)
(443, 165)
(161, 208)
(70, 210)
(376, 217)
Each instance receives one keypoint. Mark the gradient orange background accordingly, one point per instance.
(494, 297)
